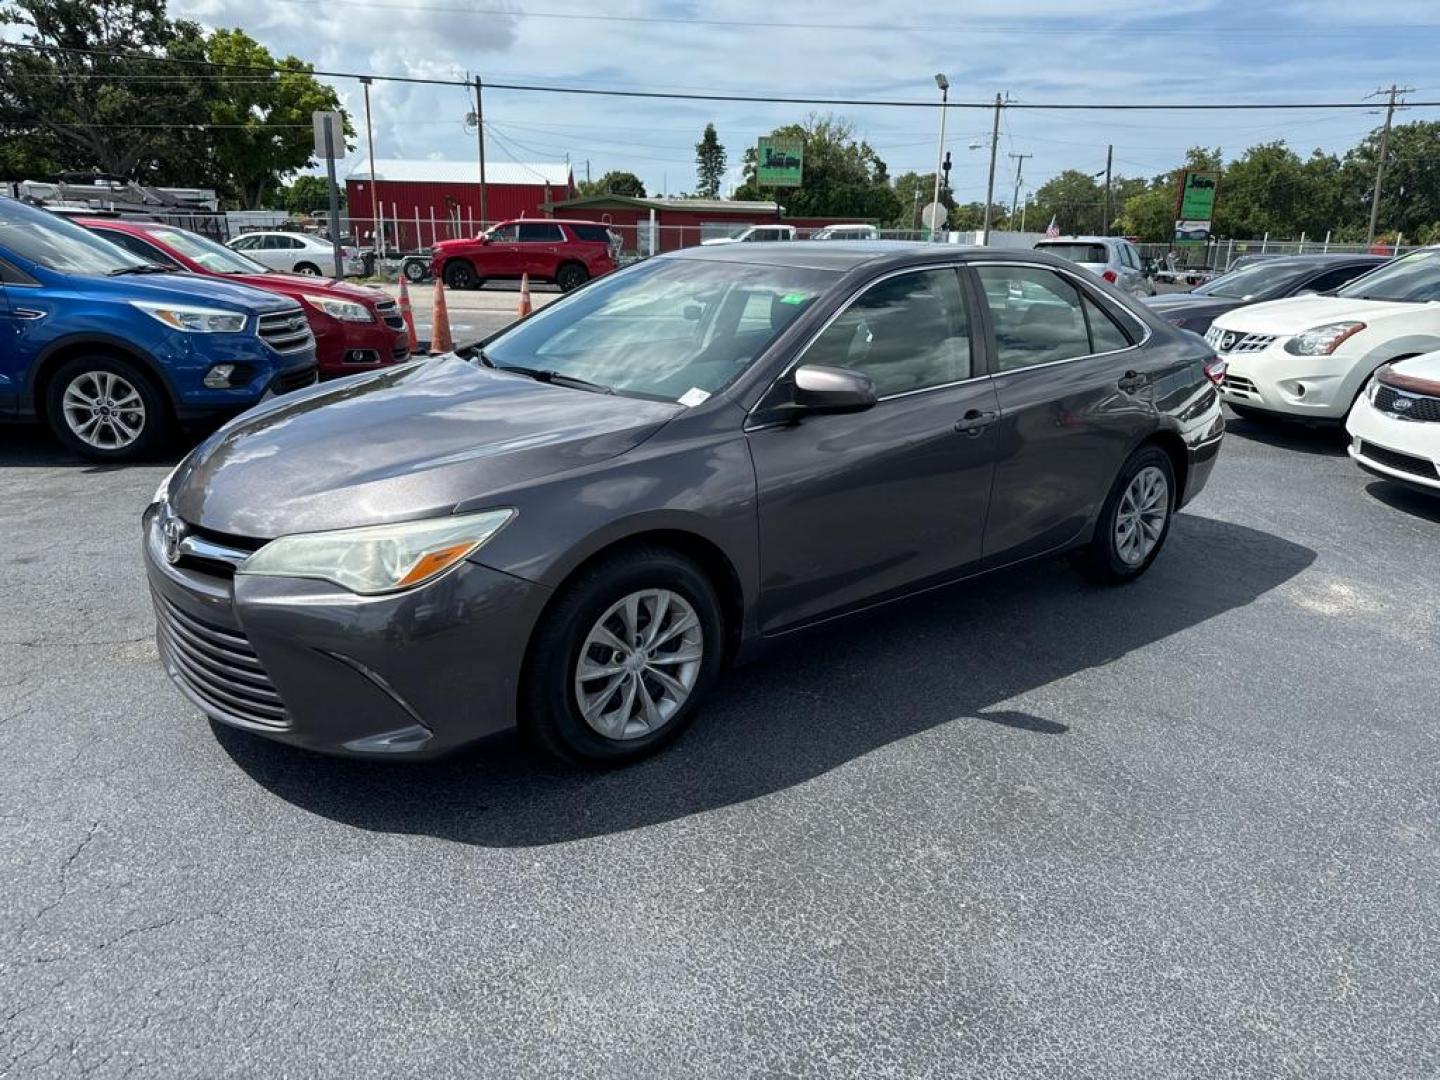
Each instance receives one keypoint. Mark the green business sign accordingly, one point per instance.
(1197, 196)
(780, 162)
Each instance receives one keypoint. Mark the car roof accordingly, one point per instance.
(1323, 258)
(1080, 240)
(845, 255)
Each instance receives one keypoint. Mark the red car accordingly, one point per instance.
(569, 253)
(356, 328)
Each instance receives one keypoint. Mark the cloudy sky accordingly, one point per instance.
(1039, 51)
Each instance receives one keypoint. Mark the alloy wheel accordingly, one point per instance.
(639, 663)
(104, 410)
(1140, 517)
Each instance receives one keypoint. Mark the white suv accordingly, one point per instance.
(1113, 258)
(1310, 356)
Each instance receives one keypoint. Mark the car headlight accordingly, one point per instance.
(1323, 340)
(193, 320)
(379, 558)
(344, 310)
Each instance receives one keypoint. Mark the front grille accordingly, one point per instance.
(1238, 384)
(1394, 459)
(1420, 407)
(295, 380)
(286, 331)
(218, 667)
(1231, 342)
(390, 313)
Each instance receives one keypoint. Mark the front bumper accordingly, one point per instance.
(412, 675)
(345, 348)
(1407, 451)
(1271, 379)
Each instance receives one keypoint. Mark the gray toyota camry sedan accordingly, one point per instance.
(576, 524)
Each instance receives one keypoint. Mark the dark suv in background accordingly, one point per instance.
(569, 253)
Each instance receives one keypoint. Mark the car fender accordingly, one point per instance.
(125, 346)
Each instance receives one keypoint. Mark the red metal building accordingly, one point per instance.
(420, 202)
(681, 222)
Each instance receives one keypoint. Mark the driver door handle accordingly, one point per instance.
(975, 421)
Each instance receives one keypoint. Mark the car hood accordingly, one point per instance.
(1300, 313)
(298, 284)
(1190, 304)
(400, 444)
(181, 288)
(1424, 366)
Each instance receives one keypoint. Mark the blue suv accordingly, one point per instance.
(110, 351)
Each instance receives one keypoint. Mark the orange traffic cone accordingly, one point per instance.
(525, 306)
(440, 340)
(407, 314)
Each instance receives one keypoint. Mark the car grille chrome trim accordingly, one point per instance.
(1421, 407)
(218, 667)
(1230, 342)
(286, 331)
(1394, 459)
(1238, 384)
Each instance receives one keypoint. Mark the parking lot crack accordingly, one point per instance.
(65, 870)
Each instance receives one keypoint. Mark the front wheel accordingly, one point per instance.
(414, 271)
(1135, 519)
(623, 659)
(461, 275)
(106, 409)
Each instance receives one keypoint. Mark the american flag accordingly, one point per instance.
(1053, 229)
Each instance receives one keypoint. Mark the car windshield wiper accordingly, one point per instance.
(548, 375)
(144, 268)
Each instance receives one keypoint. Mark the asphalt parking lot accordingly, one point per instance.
(1024, 828)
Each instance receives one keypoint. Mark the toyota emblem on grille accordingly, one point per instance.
(172, 531)
(1403, 404)
(1228, 340)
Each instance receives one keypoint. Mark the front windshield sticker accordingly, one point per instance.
(694, 396)
(794, 298)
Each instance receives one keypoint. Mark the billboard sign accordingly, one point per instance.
(1195, 206)
(779, 162)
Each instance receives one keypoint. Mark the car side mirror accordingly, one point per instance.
(820, 388)
(482, 239)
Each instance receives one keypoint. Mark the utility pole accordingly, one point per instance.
(1019, 160)
(334, 195)
(480, 134)
(1393, 93)
(994, 149)
(587, 171)
(944, 84)
(378, 242)
(1109, 161)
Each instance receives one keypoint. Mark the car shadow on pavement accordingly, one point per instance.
(810, 706)
(1406, 500)
(30, 446)
(1321, 440)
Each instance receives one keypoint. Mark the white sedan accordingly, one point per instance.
(1395, 426)
(297, 253)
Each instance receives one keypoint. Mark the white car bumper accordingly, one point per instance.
(1269, 378)
(1383, 443)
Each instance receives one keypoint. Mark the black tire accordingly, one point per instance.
(550, 711)
(459, 274)
(415, 271)
(308, 269)
(1102, 560)
(86, 375)
(571, 276)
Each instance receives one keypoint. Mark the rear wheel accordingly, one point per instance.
(414, 271)
(308, 269)
(571, 276)
(623, 658)
(106, 408)
(459, 274)
(1135, 519)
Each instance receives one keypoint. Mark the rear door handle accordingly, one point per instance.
(1132, 381)
(975, 421)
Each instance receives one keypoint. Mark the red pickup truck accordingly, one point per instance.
(569, 253)
(356, 328)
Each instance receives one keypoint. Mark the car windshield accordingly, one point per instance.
(1257, 279)
(1077, 253)
(663, 329)
(1412, 279)
(55, 244)
(214, 257)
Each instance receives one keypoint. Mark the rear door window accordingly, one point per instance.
(1039, 317)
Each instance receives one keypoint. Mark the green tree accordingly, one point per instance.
(915, 191)
(843, 176)
(263, 120)
(1075, 199)
(709, 164)
(307, 194)
(1410, 195)
(116, 107)
(615, 182)
(1149, 214)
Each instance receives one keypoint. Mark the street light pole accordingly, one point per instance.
(377, 241)
(944, 84)
(1019, 160)
(480, 134)
(994, 148)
